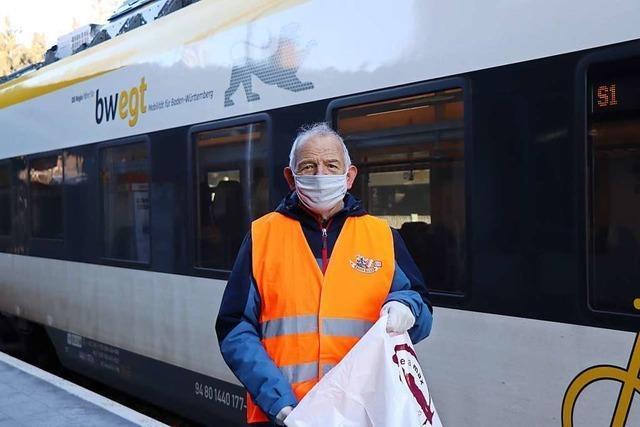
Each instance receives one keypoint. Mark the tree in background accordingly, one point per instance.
(38, 48)
(14, 55)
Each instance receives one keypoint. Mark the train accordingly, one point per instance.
(502, 139)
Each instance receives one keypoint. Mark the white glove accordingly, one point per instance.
(400, 317)
(284, 412)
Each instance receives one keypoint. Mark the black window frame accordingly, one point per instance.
(585, 172)
(438, 296)
(192, 170)
(116, 262)
(45, 245)
(5, 239)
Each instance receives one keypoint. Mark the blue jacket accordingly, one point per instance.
(238, 327)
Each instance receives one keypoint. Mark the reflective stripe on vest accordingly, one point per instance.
(290, 325)
(345, 327)
(308, 320)
(301, 372)
(326, 368)
(309, 323)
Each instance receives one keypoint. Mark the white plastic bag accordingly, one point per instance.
(379, 383)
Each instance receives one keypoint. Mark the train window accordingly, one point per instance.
(125, 180)
(232, 190)
(46, 175)
(5, 200)
(614, 141)
(410, 156)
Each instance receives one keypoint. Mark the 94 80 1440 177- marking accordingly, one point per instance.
(217, 395)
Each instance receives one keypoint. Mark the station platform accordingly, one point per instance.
(32, 397)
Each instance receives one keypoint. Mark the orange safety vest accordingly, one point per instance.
(309, 321)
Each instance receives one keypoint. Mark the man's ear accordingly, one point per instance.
(352, 172)
(288, 176)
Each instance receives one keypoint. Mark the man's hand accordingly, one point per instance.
(284, 412)
(400, 317)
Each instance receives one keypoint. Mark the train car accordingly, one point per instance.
(501, 138)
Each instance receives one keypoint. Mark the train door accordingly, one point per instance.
(614, 161)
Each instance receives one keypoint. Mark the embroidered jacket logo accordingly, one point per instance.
(365, 265)
(127, 103)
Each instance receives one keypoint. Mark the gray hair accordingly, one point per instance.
(311, 131)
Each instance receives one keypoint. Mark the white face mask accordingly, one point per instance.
(320, 193)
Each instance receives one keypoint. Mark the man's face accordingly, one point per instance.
(321, 155)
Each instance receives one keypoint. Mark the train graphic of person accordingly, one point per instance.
(278, 68)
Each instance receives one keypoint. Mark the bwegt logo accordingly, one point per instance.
(127, 103)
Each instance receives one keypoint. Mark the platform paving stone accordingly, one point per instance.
(28, 401)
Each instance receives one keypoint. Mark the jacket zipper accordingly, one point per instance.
(325, 262)
(325, 251)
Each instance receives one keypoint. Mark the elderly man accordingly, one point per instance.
(309, 281)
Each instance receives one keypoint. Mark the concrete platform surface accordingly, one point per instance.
(32, 397)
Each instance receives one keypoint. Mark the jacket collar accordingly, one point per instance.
(292, 207)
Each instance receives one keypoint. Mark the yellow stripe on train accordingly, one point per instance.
(143, 45)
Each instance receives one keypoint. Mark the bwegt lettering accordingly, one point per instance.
(127, 103)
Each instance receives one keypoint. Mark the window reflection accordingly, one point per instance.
(5, 200)
(410, 156)
(400, 196)
(232, 190)
(616, 209)
(125, 182)
(74, 172)
(45, 191)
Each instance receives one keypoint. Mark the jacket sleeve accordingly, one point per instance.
(409, 288)
(239, 337)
